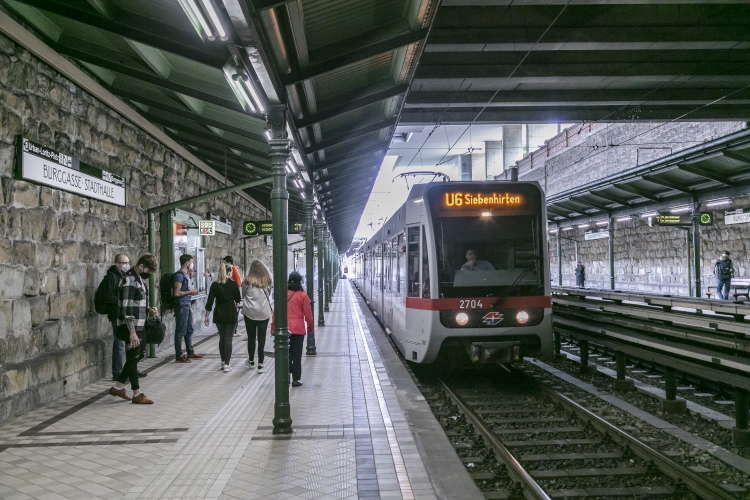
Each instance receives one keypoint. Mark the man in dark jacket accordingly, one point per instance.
(114, 276)
(580, 274)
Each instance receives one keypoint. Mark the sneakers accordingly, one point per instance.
(222, 366)
(122, 393)
(182, 359)
(238, 335)
(261, 369)
(250, 363)
(142, 374)
(141, 399)
(227, 368)
(195, 356)
(296, 383)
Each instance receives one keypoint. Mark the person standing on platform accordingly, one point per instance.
(256, 309)
(300, 318)
(724, 271)
(226, 294)
(131, 314)
(237, 278)
(183, 315)
(580, 274)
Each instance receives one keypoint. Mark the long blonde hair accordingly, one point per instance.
(258, 275)
(225, 272)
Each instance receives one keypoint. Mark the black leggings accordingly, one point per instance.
(256, 329)
(226, 332)
(296, 343)
(130, 370)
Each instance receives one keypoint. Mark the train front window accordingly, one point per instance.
(480, 256)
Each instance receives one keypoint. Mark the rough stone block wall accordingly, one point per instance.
(55, 246)
(648, 259)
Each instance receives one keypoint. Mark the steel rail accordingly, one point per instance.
(531, 488)
(698, 485)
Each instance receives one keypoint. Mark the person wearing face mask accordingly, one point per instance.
(183, 314)
(111, 284)
(132, 312)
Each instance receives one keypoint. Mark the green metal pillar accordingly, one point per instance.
(152, 280)
(327, 270)
(611, 230)
(559, 256)
(696, 215)
(279, 145)
(309, 235)
(321, 277)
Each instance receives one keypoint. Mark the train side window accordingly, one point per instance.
(425, 267)
(412, 270)
(399, 262)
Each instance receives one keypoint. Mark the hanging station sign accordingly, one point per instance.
(207, 227)
(46, 166)
(596, 234)
(737, 216)
(223, 225)
(682, 220)
(254, 228)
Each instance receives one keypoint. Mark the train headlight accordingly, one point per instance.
(462, 318)
(522, 317)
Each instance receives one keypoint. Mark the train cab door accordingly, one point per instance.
(388, 258)
(399, 284)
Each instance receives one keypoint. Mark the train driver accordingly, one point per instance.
(473, 264)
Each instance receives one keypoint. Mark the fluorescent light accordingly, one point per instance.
(601, 223)
(249, 101)
(268, 135)
(679, 210)
(553, 231)
(291, 165)
(302, 194)
(251, 87)
(622, 219)
(568, 228)
(214, 18)
(649, 214)
(581, 226)
(196, 18)
(717, 203)
(288, 170)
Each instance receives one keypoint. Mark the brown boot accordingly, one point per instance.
(141, 399)
(119, 392)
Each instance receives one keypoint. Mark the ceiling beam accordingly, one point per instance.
(693, 169)
(141, 29)
(351, 135)
(351, 105)
(612, 198)
(671, 185)
(587, 203)
(360, 54)
(634, 190)
(187, 133)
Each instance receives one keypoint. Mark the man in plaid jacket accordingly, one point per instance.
(132, 312)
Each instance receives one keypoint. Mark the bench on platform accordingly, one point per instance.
(739, 289)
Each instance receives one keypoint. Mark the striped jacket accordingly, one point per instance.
(133, 300)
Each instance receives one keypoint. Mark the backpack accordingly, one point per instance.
(723, 269)
(166, 291)
(100, 297)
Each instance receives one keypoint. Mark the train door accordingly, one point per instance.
(389, 288)
(399, 274)
(377, 288)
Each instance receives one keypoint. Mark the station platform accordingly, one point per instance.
(361, 429)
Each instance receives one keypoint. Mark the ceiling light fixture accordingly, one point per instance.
(292, 166)
(623, 219)
(718, 202)
(581, 226)
(210, 8)
(602, 223)
(649, 214)
(197, 19)
(679, 210)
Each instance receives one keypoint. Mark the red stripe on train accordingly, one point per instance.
(486, 303)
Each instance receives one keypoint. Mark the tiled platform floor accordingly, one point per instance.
(208, 435)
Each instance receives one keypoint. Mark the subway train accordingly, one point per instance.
(460, 273)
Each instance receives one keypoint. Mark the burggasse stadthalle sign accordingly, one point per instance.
(49, 167)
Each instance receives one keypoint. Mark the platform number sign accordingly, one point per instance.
(207, 228)
(250, 228)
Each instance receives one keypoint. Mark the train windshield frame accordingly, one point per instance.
(502, 224)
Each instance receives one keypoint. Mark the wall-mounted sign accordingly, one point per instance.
(207, 227)
(223, 225)
(265, 227)
(250, 228)
(704, 219)
(596, 234)
(49, 167)
(737, 216)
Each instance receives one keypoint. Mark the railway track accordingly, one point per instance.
(549, 446)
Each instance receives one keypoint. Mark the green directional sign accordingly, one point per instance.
(704, 219)
(250, 228)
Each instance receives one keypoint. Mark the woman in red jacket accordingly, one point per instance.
(300, 319)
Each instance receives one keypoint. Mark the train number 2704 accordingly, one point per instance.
(470, 304)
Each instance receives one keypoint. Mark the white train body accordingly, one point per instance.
(499, 311)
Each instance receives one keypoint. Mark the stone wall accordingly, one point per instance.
(56, 246)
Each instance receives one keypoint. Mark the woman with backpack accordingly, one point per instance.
(226, 294)
(300, 319)
(256, 308)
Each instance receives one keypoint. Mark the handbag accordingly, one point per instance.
(153, 332)
(268, 299)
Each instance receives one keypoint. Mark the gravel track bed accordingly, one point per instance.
(691, 422)
(688, 455)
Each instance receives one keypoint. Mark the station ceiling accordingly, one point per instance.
(350, 70)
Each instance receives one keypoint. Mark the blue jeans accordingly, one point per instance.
(183, 319)
(118, 352)
(722, 288)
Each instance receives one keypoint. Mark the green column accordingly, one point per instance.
(327, 270)
(611, 230)
(559, 257)
(696, 215)
(308, 206)
(152, 281)
(279, 146)
(321, 279)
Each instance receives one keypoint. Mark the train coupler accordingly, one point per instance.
(495, 352)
